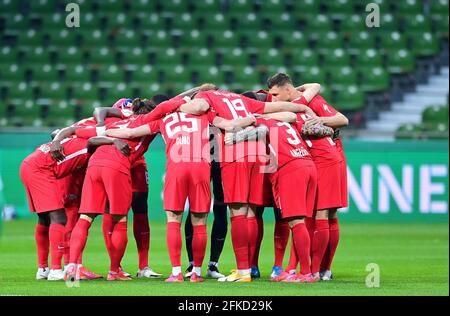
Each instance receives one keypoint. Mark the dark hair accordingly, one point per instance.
(279, 79)
(255, 95)
(142, 106)
(159, 98)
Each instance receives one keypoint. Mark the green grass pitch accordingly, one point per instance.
(413, 260)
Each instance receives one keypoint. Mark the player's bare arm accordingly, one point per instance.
(282, 106)
(248, 134)
(288, 117)
(102, 112)
(97, 141)
(204, 87)
(195, 107)
(337, 121)
(309, 90)
(128, 133)
(233, 125)
(56, 149)
(318, 130)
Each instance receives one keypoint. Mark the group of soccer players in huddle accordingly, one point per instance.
(276, 148)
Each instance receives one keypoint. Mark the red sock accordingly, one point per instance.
(199, 240)
(72, 217)
(293, 259)
(252, 226)
(57, 236)
(302, 244)
(42, 245)
(319, 243)
(119, 240)
(107, 228)
(281, 238)
(141, 230)
(78, 239)
(173, 237)
(332, 245)
(240, 240)
(260, 222)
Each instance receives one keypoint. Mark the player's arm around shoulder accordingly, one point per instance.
(288, 117)
(129, 133)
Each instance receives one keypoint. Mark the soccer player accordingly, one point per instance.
(237, 170)
(187, 175)
(281, 88)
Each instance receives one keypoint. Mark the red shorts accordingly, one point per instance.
(237, 181)
(294, 187)
(187, 180)
(71, 186)
(261, 188)
(329, 187)
(42, 188)
(344, 185)
(139, 177)
(103, 184)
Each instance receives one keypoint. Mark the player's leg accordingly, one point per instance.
(220, 224)
(42, 245)
(255, 236)
(173, 239)
(58, 243)
(281, 238)
(199, 240)
(320, 240)
(188, 235)
(332, 246)
(119, 240)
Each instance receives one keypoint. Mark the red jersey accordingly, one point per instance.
(186, 136)
(230, 106)
(110, 156)
(285, 142)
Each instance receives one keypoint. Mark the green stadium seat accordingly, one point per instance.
(84, 91)
(118, 91)
(342, 77)
(217, 22)
(309, 6)
(292, 41)
(303, 59)
(13, 74)
(52, 22)
(44, 72)
(360, 41)
(16, 23)
(27, 114)
(175, 6)
(339, 9)
(319, 23)
(273, 6)
(369, 57)
(394, 40)
(184, 21)
(135, 56)
(350, 99)
(70, 55)
(249, 22)
(373, 79)
(312, 74)
(111, 74)
(424, 44)
(168, 56)
(408, 131)
(247, 76)
(329, 40)
(60, 115)
(42, 6)
(90, 21)
(120, 21)
(409, 7)
(175, 74)
(239, 6)
(62, 39)
(388, 23)
(206, 73)
(279, 22)
(336, 57)
(36, 55)
(102, 56)
(192, 39)
(271, 57)
(435, 115)
(439, 7)
(259, 40)
(354, 23)
(273, 69)
(145, 74)
(149, 89)
(111, 6)
(161, 39)
(94, 38)
(8, 55)
(233, 56)
(20, 93)
(77, 73)
(142, 6)
(31, 38)
(225, 39)
(151, 22)
(9, 6)
(54, 91)
(400, 61)
(86, 106)
(384, 5)
(417, 23)
(127, 39)
(201, 56)
(207, 7)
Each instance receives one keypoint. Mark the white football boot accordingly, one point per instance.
(42, 273)
(56, 275)
(147, 273)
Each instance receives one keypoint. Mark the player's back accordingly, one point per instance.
(186, 136)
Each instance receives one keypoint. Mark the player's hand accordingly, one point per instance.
(122, 147)
(229, 139)
(57, 151)
(310, 121)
